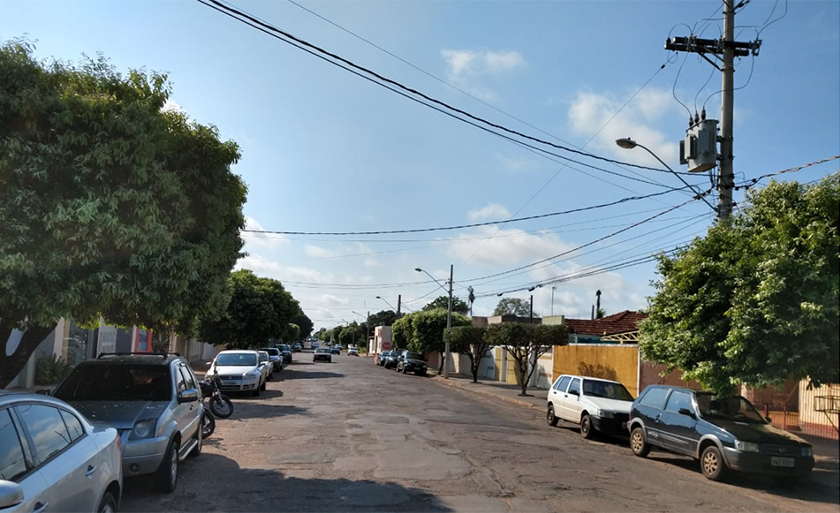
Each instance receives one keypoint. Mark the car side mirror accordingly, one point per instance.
(189, 395)
(686, 412)
(208, 364)
(11, 494)
(574, 392)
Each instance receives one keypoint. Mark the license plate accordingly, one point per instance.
(782, 462)
(229, 383)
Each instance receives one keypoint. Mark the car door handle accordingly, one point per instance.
(90, 470)
(40, 507)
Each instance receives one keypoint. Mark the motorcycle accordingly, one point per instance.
(220, 405)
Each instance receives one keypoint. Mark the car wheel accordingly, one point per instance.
(256, 392)
(550, 417)
(166, 476)
(108, 504)
(208, 425)
(638, 444)
(712, 464)
(586, 429)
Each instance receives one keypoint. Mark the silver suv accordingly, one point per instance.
(153, 400)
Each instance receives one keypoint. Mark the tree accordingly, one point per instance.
(513, 306)
(600, 313)
(259, 309)
(382, 318)
(422, 331)
(402, 331)
(470, 342)
(757, 301)
(525, 343)
(322, 334)
(291, 333)
(352, 334)
(109, 207)
(305, 324)
(471, 298)
(458, 305)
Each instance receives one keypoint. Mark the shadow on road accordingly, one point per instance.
(309, 374)
(214, 482)
(265, 411)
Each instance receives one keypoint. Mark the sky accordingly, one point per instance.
(324, 150)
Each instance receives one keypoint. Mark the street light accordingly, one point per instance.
(446, 349)
(629, 144)
(386, 302)
(367, 327)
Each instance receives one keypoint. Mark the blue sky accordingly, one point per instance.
(325, 151)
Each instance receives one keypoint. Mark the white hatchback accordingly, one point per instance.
(593, 403)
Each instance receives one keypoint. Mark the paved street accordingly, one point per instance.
(350, 436)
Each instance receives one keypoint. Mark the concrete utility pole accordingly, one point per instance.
(446, 348)
(399, 305)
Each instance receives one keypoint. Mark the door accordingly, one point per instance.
(193, 421)
(572, 396)
(16, 466)
(557, 395)
(185, 413)
(677, 423)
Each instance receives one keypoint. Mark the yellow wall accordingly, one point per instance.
(608, 361)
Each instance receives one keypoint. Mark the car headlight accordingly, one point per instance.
(607, 414)
(254, 373)
(143, 429)
(807, 451)
(746, 446)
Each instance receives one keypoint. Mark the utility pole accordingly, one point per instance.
(446, 348)
(724, 50)
(399, 305)
(552, 301)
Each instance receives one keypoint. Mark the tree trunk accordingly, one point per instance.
(474, 364)
(10, 366)
(442, 362)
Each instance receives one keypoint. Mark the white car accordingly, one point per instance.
(240, 371)
(593, 403)
(52, 456)
(268, 365)
(353, 351)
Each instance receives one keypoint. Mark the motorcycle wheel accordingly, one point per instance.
(208, 425)
(221, 406)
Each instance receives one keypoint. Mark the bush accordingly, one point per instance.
(51, 369)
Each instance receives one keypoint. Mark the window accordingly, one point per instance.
(575, 386)
(654, 397)
(117, 382)
(679, 399)
(182, 382)
(74, 427)
(562, 383)
(47, 429)
(12, 463)
(188, 377)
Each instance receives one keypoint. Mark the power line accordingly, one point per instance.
(284, 36)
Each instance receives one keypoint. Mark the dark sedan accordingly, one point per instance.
(286, 351)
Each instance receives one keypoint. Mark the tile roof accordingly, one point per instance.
(620, 322)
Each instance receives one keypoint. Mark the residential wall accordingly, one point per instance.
(608, 361)
(815, 422)
(649, 375)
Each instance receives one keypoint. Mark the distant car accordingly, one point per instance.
(724, 433)
(297, 347)
(315, 345)
(335, 350)
(286, 351)
(322, 354)
(593, 403)
(239, 370)
(276, 357)
(50, 454)
(412, 362)
(154, 401)
(267, 365)
(392, 359)
(353, 351)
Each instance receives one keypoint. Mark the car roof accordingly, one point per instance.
(133, 359)
(238, 351)
(590, 378)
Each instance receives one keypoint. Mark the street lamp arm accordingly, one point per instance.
(433, 278)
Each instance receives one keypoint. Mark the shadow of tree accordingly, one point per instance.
(216, 483)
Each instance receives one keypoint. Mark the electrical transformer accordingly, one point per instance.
(699, 148)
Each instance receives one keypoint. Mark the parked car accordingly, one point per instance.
(412, 362)
(315, 345)
(240, 371)
(297, 347)
(286, 351)
(322, 354)
(267, 366)
(335, 350)
(153, 400)
(276, 357)
(593, 403)
(724, 433)
(51, 455)
(392, 359)
(352, 351)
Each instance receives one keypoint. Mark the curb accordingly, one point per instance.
(485, 393)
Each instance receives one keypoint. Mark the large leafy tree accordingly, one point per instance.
(109, 206)
(259, 309)
(442, 302)
(513, 306)
(422, 331)
(304, 323)
(757, 301)
(525, 343)
(470, 342)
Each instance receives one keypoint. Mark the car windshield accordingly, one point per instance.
(273, 351)
(263, 356)
(284, 347)
(734, 408)
(236, 360)
(606, 389)
(320, 350)
(117, 382)
(414, 356)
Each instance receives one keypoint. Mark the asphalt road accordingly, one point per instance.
(350, 436)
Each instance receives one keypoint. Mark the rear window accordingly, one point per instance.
(414, 356)
(654, 397)
(123, 382)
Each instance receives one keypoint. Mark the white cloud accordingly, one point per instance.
(491, 211)
(516, 165)
(466, 67)
(506, 247)
(171, 105)
(271, 269)
(372, 262)
(269, 241)
(590, 111)
(319, 252)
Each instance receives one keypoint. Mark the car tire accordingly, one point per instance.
(265, 384)
(108, 504)
(550, 417)
(586, 429)
(208, 425)
(256, 392)
(638, 443)
(712, 464)
(166, 476)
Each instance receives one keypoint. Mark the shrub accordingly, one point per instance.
(51, 369)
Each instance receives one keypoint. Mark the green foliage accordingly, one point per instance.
(382, 318)
(469, 341)
(513, 306)
(51, 369)
(291, 333)
(402, 331)
(755, 302)
(259, 309)
(442, 302)
(524, 342)
(304, 323)
(108, 206)
(428, 327)
(352, 334)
